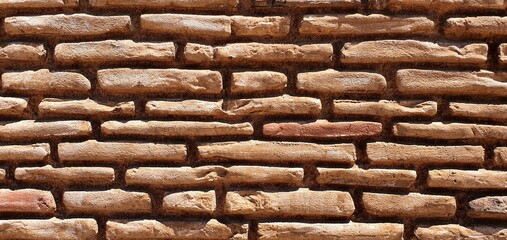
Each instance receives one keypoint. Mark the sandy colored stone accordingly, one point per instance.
(114, 201)
(489, 207)
(282, 105)
(3, 174)
(93, 151)
(501, 156)
(23, 52)
(45, 82)
(335, 82)
(256, 82)
(393, 154)
(302, 202)
(454, 231)
(49, 229)
(254, 150)
(25, 153)
(473, 110)
(476, 27)
(272, 26)
(322, 129)
(26, 201)
(503, 53)
(175, 128)
(438, 130)
(440, 5)
(317, 3)
(189, 202)
(467, 179)
(411, 51)
(81, 176)
(369, 178)
(413, 205)
(198, 53)
(142, 81)
(385, 108)
(114, 51)
(16, 107)
(215, 26)
(35, 130)
(208, 4)
(67, 25)
(87, 107)
(185, 108)
(270, 53)
(39, 4)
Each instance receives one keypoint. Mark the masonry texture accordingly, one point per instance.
(253, 119)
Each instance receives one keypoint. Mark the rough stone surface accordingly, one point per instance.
(261, 81)
(454, 231)
(471, 110)
(209, 4)
(25, 153)
(198, 53)
(189, 202)
(13, 106)
(45, 82)
(503, 53)
(467, 179)
(316, 3)
(335, 82)
(187, 25)
(108, 202)
(49, 229)
(322, 129)
(23, 52)
(259, 52)
(371, 177)
(22, 4)
(260, 26)
(413, 205)
(87, 107)
(438, 130)
(35, 130)
(440, 5)
(501, 156)
(385, 108)
(67, 176)
(476, 27)
(27, 201)
(283, 105)
(489, 207)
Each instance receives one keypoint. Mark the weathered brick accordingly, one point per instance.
(484, 83)
(302, 202)
(3, 174)
(467, 179)
(410, 51)
(185, 108)
(413, 205)
(322, 129)
(25, 153)
(454, 231)
(114, 51)
(476, 27)
(273, 26)
(175, 128)
(15, 107)
(277, 152)
(501, 156)
(67, 176)
(334, 82)
(351, 230)
(27, 201)
(34, 130)
(489, 207)
(438, 130)
(198, 53)
(283, 105)
(360, 25)
(368, 178)
(39, 4)
(385, 108)
(208, 4)
(256, 82)
(23, 52)
(108, 202)
(49, 229)
(503, 53)
(187, 25)
(67, 25)
(317, 3)
(142, 81)
(190, 202)
(262, 52)
(440, 5)
(45, 82)
(93, 151)
(393, 154)
(87, 107)
(473, 110)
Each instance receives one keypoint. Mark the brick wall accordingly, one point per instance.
(253, 119)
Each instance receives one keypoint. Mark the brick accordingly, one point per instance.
(23, 52)
(334, 82)
(114, 201)
(413, 205)
(471, 110)
(27, 201)
(185, 108)
(283, 105)
(175, 128)
(85, 108)
(142, 81)
(189, 202)
(503, 53)
(482, 83)
(501, 156)
(81, 176)
(262, 52)
(272, 26)
(441, 5)
(119, 51)
(93, 151)
(62, 25)
(438, 130)
(25, 153)
(490, 207)
(454, 231)
(360, 25)
(467, 179)
(317, 3)
(411, 51)
(44, 82)
(393, 154)
(187, 25)
(209, 4)
(257, 82)
(198, 53)
(476, 27)
(385, 108)
(277, 152)
(13, 107)
(3, 175)
(322, 129)
(367, 178)
(48, 229)
(302, 202)
(38, 4)
(34, 130)
(351, 230)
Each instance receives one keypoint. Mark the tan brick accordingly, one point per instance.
(501, 156)
(39, 4)
(142, 81)
(503, 53)
(198, 53)
(454, 231)
(472, 110)
(81, 176)
(359, 25)
(23, 52)
(413, 205)
(328, 231)
(49, 229)
(216, 26)
(114, 201)
(208, 4)
(317, 3)
(15, 107)
(368, 178)
(489, 207)
(93, 151)
(27, 201)
(114, 51)
(438, 130)
(87, 107)
(393, 154)
(302, 202)
(175, 128)
(467, 179)
(25, 153)
(441, 5)
(476, 27)
(411, 51)
(45, 82)
(483, 83)
(67, 25)
(283, 105)
(322, 129)
(256, 82)
(185, 108)
(3, 174)
(334, 82)
(189, 202)
(385, 108)
(273, 26)
(261, 52)
(277, 152)
(35, 130)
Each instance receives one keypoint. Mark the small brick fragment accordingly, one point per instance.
(273, 26)
(187, 25)
(283, 105)
(108, 202)
(322, 129)
(23, 52)
(385, 108)
(367, 178)
(256, 82)
(473, 110)
(37, 4)
(87, 108)
(261, 52)
(476, 27)
(34, 130)
(13, 107)
(198, 53)
(467, 179)
(454, 231)
(45, 82)
(25, 153)
(438, 130)
(48, 229)
(491, 207)
(27, 201)
(81, 176)
(333, 82)
(189, 202)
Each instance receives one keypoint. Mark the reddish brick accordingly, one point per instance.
(27, 201)
(323, 129)
(49, 229)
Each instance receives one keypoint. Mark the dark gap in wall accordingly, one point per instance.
(359, 214)
(408, 229)
(310, 176)
(102, 227)
(253, 229)
(192, 152)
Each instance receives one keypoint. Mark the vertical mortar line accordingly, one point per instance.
(102, 227)
(140, 107)
(327, 111)
(220, 198)
(461, 207)
(157, 199)
(58, 196)
(408, 229)
(296, 17)
(362, 160)
(310, 176)
(135, 28)
(489, 156)
(253, 230)
(359, 213)
(119, 176)
(54, 159)
(492, 62)
(421, 179)
(337, 49)
(33, 106)
(291, 87)
(84, 5)
(180, 50)
(245, 7)
(192, 152)
(442, 109)
(50, 51)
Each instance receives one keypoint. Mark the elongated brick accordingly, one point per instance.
(13, 106)
(185, 108)
(189, 202)
(27, 201)
(467, 179)
(274, 26)
(49, 229)
(23, 52)
(476, 27)
(34, 130)
(87, 107)
(113, 201)
(454, 231)
(261, 81)
(385, 108)
(316, 3)
(25, 153)
(187, 25)
(66, 176)
(438, 130)
(39, 4)
(322, 129)
(472, 110)
(489, 207)
(209, 4)
(441, 5)
(283, 105)
(368, 178)
(413, 205)
(335, 82)
(261, 52)
(45, 82)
